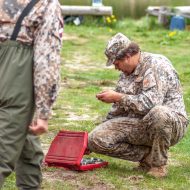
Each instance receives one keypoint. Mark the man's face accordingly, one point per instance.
(125, 65)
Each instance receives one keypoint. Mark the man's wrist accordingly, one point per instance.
(43, 117)
(119, 98)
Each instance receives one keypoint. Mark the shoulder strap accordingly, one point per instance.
(24, 13)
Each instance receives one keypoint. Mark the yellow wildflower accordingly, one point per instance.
(113, 16)
(114, 20)
(108, 19)
(171, 34)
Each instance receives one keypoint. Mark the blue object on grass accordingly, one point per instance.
(97, 3)
(177, 23)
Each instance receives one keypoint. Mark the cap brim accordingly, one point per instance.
(110, 62)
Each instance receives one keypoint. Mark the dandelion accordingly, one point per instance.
(171, 34)
(108, 19)
(111, 20)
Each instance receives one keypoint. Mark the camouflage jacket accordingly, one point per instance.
(154, 82)
(43, 29)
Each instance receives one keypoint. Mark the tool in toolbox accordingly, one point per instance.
(67, 150)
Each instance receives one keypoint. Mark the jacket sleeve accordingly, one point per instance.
(153, 93)
(117, 109)
(47, 46)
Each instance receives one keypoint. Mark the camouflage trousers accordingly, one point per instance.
(140, 140)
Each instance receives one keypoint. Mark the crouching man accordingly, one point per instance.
(148, 113)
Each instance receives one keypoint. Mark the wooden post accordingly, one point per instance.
(87, 10)
(162, 16)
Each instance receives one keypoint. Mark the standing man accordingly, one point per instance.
(30, 43)
(148, 113)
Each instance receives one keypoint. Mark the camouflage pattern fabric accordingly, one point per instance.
(115, 46)
(145, 140)
(43, 29)
(149, 119)
(154, 82)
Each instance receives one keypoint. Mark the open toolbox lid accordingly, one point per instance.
(67, 150)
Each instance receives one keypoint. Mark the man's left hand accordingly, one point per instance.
(109, 96)
(39, 127)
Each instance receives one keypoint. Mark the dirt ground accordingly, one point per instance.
(78, 180)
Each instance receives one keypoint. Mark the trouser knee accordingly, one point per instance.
(99, 141)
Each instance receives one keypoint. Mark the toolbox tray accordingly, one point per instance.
(67, 150)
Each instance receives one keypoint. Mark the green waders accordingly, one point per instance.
(20, 151)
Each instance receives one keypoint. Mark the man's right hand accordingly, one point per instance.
(39, 127)
(109, 96)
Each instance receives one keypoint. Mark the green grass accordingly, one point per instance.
(83, 75)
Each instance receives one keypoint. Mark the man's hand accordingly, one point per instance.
(109, 96)
(39, 127)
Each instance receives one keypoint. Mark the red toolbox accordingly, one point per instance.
(67, 150)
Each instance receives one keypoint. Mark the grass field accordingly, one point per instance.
(83, 75)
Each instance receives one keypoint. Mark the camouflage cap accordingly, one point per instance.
(115, 46)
